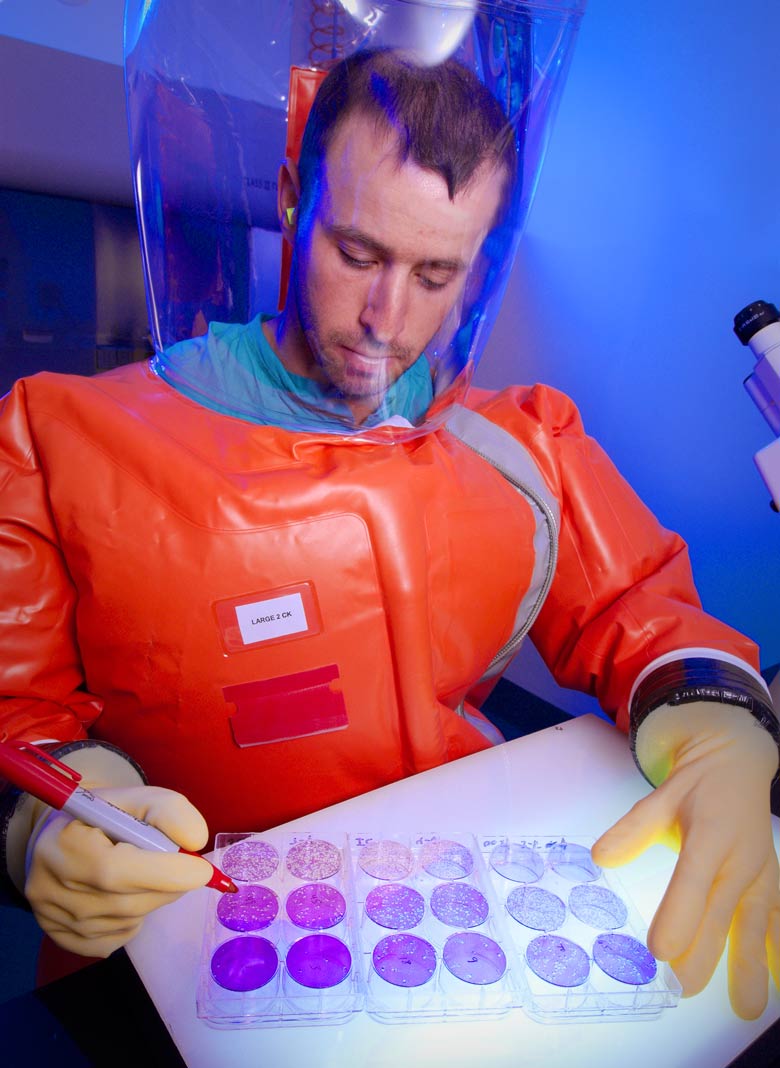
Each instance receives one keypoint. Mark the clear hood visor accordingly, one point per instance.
(366, 239)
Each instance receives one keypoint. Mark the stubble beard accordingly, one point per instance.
(334, 365)
(352, 378)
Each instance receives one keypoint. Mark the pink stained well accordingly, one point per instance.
(395, 906)
(474, 958)
(319, 961)
(243, 964)
(624, 958)
(404, 960)
(557, 960)
(459, 905)
(597, 907)
(251, 909)
(386, 859)
(447, 860)
(250, 860)
(313, 859)
(536, 908)
(316, 906)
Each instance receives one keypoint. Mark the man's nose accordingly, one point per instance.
(384, 311)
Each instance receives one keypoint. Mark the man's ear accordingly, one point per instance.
(287, 197)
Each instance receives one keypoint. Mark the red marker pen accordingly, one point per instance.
(46, 778)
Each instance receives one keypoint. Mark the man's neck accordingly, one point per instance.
(285, 336)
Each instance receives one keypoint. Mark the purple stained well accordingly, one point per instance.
(386, 859)
(395, 906)
(447, 860)
(250, 860)
(536, 908)
(558, 960)
(517, 862)
(319, 961)
(474, 958)
(573, 862)
(246, 963)
(316, 906)
(459, 905)
(313, 859)
(404, 960)
(597, 907)
(251, 909)
(625, 959)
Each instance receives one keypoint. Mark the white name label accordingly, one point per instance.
(273, 618)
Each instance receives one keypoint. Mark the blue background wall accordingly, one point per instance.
(657, 218)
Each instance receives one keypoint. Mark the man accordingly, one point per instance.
(270, 614)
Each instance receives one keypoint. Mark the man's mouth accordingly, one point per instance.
(366, 357)
(366, 363)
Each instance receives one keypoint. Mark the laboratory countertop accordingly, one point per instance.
(570, 780)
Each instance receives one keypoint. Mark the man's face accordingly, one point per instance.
(381, 258)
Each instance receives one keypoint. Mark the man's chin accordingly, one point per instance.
(359, 378)
(363, 387)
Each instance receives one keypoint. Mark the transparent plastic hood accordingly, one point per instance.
(370, 269)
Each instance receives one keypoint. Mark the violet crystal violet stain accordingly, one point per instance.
(474, 958)
(316, 906)
(251, 909)
(245, 963)
(319, 961)
(597, 907)
(459, 905)
(624, 958)
(395, 906)
(536, 908)
(404, 960)
(558, 960)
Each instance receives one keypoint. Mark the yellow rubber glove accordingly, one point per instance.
(90, 894)
(714, 764)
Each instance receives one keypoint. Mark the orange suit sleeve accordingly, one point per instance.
(43, 696)
(623, 595)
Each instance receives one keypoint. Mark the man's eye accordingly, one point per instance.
(432, 283)
(353, 261)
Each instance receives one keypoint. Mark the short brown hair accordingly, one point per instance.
(446, 120)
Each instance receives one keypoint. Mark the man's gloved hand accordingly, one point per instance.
(90, 894)
(714, 764)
